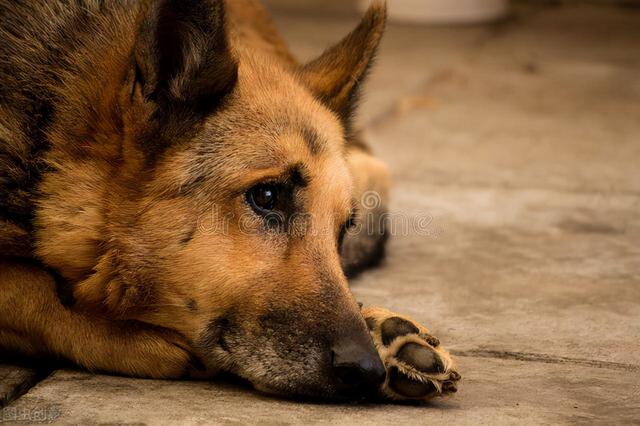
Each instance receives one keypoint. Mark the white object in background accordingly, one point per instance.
(444, 11)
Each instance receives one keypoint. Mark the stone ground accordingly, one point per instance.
(516, 154)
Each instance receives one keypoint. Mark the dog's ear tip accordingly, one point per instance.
(375, 21)
(376, 14)
(378, 10)
(336, 76)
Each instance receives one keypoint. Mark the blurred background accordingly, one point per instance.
(514, 128)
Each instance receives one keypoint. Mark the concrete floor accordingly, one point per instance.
(520, 144)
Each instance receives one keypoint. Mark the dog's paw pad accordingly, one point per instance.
(408, 387)
(418, 368)
(422, 358)
(395, 327)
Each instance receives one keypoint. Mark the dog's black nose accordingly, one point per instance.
(358, 367)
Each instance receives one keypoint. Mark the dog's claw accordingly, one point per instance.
(418, 368)
(431, 340)
(449, 387)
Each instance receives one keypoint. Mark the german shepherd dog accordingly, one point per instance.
(178, 197)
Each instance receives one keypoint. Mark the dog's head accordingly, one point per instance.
(234, 194)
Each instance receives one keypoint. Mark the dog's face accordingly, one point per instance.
(258, 202)
(233, 236)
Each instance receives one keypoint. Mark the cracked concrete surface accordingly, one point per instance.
(515, 150)
(16, 381)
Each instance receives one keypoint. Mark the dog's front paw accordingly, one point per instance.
(418, 367)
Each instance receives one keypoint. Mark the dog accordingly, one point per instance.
(178, 197)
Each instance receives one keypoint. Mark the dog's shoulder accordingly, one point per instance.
(42, 44)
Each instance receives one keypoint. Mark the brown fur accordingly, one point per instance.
(123, 150)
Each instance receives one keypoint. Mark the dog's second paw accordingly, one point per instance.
(418, 367)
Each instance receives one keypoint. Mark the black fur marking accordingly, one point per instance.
(188, 236)
(313, 140)
(21, 175)
(192, 305)
(396, 327)
(298, 175)
(213, 336)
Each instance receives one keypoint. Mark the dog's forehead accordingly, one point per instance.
(277, 104)
(271, 120)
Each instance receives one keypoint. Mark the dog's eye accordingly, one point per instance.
(350, 223)
(263, 198)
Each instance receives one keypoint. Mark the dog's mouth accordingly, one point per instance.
(323, 386)
(303, 362)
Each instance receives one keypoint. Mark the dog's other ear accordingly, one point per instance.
(336, 76)
(182, 53)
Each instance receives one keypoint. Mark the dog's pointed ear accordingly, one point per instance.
(182, 54)
(336, 76)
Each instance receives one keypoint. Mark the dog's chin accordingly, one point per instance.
(302, 392)
(303, 389)
(287, 385)
(329, 393)
(307, 385)
(287, 393)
